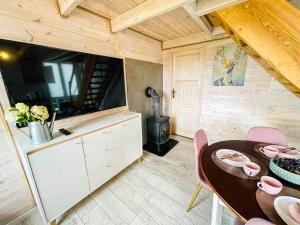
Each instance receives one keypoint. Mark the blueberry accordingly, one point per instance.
(292, 165)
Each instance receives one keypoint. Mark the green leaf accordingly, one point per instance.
(13, 109)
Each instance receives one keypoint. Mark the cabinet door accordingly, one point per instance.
(60, 176)
(132, 133)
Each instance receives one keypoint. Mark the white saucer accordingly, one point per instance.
(220, 153)
(281, 205)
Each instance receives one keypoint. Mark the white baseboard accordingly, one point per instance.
(22, 217)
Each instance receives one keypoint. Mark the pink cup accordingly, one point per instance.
(269, 151)
(270, 185)
(251, 168)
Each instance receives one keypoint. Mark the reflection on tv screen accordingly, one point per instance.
(69, 83)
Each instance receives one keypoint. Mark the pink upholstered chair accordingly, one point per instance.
(257, 221)
(200, 144)
(267, 135)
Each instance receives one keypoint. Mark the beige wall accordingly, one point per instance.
(228, 112)
(39, 22)
(140, 75)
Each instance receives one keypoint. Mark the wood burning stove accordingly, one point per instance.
(158, 128)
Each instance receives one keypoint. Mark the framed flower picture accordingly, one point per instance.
(229, 66)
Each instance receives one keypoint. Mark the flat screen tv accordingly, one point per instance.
(67, 82)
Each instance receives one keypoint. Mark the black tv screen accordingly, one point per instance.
(67, 82)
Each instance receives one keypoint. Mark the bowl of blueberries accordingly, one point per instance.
(286, 168)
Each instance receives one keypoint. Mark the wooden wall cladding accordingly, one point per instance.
(138, 46)
(39, 22)
(228, 112)
(15, 199)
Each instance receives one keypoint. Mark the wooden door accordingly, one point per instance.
(186, 95)
(60, 176)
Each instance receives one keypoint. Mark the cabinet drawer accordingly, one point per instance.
(105, 172)
(102, 156)
(103, 139)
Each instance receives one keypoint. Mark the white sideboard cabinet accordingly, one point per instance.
(68, 168)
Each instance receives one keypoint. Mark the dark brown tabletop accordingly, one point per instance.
(237, 193)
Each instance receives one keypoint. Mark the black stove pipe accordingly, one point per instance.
(151, 93)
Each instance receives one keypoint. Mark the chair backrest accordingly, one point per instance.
(267, 135)
(200, 144)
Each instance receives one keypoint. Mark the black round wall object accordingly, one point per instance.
(147, 90)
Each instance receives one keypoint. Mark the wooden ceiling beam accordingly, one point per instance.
(145, 11)
(202, 21)
(269, 31)
(192, 39)
(67, 6)
(204, 7)
(187, 40)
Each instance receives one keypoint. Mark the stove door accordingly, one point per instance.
(164, 132)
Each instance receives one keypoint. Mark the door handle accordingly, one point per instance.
(173, 93)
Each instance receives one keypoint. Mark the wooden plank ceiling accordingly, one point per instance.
(173, 22)
(171, 25)
(110, 8)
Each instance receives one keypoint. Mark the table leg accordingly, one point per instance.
(217, 211)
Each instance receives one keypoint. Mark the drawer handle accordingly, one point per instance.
(107, 132)
(109, 149)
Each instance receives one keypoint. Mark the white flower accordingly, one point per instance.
(11, 115)
(22, 107)
(39, 112)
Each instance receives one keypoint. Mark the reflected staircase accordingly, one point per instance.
(100, 80)
(95, 82)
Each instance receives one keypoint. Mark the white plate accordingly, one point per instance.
(220, 153)
(281, 205)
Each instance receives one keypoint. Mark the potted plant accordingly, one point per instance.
(35, 118)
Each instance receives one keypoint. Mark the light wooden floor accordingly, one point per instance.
(155, 191)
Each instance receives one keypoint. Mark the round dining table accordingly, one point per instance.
(238, 194)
